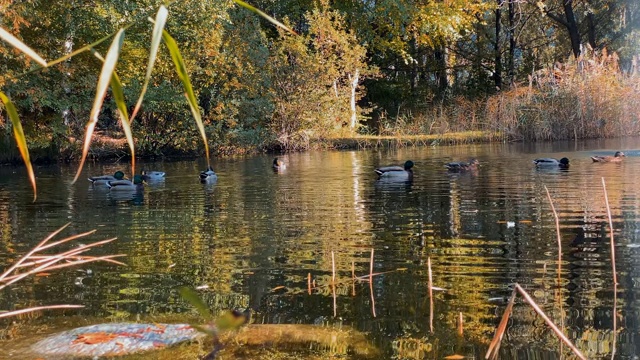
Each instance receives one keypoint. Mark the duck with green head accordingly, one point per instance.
(104, 179)
(550, 163)
(126, 185)
(208, 176)
(396, 173)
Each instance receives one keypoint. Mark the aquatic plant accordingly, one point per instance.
(37, 262)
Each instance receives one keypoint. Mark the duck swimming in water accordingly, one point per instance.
(208, 175)
(152, 175)
(463, 166)
(399, 173)
(551, 163)
(126, 185)
(617, 157)
(278, 165)
(104, 179)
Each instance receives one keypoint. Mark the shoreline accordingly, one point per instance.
(117, 148)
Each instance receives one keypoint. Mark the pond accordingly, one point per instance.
(253, 239)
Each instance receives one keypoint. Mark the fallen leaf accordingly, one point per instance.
(454, 357)
(95, 338)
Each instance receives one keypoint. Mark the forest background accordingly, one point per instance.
(507, 69)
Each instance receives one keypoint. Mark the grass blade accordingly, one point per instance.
(103, 83)
(194, 299)
(181, 69)
(21, 141)
(39, 308)
(118, 97)
(16, 43)
(269, 18)
(158, 27)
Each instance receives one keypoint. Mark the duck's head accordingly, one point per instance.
(564, 161)
(119, 175)
(408, 165)
(473, 162)
(619, 154)
(138, 180)
(277, 162)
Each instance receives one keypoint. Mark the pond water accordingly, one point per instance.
(254, 237)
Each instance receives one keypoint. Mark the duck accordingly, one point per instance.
(104, 179)
(278, 165)
(617, 157)
(463, 166)
(550, 162)
(126, 185)
(208, 175)
(152, 175)
(404, 173)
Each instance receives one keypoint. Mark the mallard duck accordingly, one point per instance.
(463, 166)
(104, 179)
(278, 165)
(152, 175)
(208, 175)
(396, 172)
(617, 157)
(126, 185)
(550, 162)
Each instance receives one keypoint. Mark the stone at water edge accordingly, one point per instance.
(114, 339)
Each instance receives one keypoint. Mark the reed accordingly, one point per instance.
(35, 262)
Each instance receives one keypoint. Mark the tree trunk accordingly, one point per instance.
(591, 30)
(497, 72)
(572, 27)
(512, 41)
(354, 86)
(442, 75)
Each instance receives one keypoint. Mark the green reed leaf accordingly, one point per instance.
(118, 97)
(181, 69)
(160, 21)
(269, 18)
(21, 141)
(194, 299)
(101, 90)
(16, 43)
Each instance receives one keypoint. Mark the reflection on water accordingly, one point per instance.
(254, 236)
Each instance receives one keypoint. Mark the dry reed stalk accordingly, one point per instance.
(460, 330)
(373, 300)
(430, 284)
(333, 284)
(371, 267)
(38, 308)
(613, 249)
(353, 278)
(309, 283)
(559, 239)
(40, 263)
(549, 322)
(492, 352)
(615, 321)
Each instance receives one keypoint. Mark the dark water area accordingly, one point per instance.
(253, 237)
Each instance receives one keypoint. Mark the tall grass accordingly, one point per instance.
(588, 97)
(585, 98)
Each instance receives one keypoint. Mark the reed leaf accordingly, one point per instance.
(103, 83)
(194, 299)
(269, 18)
(16, 43)
(158, 27)
(118, 97)
(21, 141)
(181, 69)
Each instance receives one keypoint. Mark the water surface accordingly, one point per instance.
(253, 238)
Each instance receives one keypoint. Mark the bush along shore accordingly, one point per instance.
(327, 76)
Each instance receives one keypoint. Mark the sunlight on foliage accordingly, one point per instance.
(21, 141)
